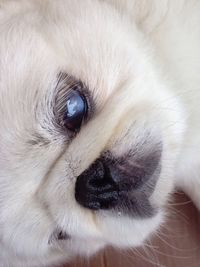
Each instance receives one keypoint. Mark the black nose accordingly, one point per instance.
(95, 188)
(124, 184)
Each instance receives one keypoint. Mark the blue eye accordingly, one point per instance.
(76, 110)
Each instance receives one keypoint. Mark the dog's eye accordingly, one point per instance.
(75, 111)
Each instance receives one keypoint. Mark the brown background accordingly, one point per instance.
(176, 245)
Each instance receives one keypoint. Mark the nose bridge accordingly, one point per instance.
(93, 138)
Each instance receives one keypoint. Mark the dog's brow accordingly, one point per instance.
(38, 140)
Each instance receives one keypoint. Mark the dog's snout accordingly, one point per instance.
(110, 183)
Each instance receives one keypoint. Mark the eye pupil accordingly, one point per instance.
(76, 108)
(72, 107)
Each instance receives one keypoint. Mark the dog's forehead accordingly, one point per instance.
(40, 44)
(89, 46)
(26, 60)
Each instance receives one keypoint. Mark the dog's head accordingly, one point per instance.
(89, 130)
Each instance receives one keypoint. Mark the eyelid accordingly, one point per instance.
(65, 83)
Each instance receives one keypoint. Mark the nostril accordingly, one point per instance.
(102, 178)
(99, 184)
(96, 170)
(96, 176)
(95, 188)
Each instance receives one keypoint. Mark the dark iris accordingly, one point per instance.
(76, 109)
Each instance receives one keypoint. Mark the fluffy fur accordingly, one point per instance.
(140, 60)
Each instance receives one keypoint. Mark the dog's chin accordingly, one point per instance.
(115, 230)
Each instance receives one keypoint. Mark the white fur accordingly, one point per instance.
(141, 61)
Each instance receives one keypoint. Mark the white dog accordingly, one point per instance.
(100, 121)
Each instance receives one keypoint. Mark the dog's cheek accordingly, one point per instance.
(25, 227)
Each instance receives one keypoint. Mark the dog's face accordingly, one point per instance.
(89, 132)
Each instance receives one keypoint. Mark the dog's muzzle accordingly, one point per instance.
(119, 184)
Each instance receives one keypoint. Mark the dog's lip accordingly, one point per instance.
(58, 235)
(62, 235)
